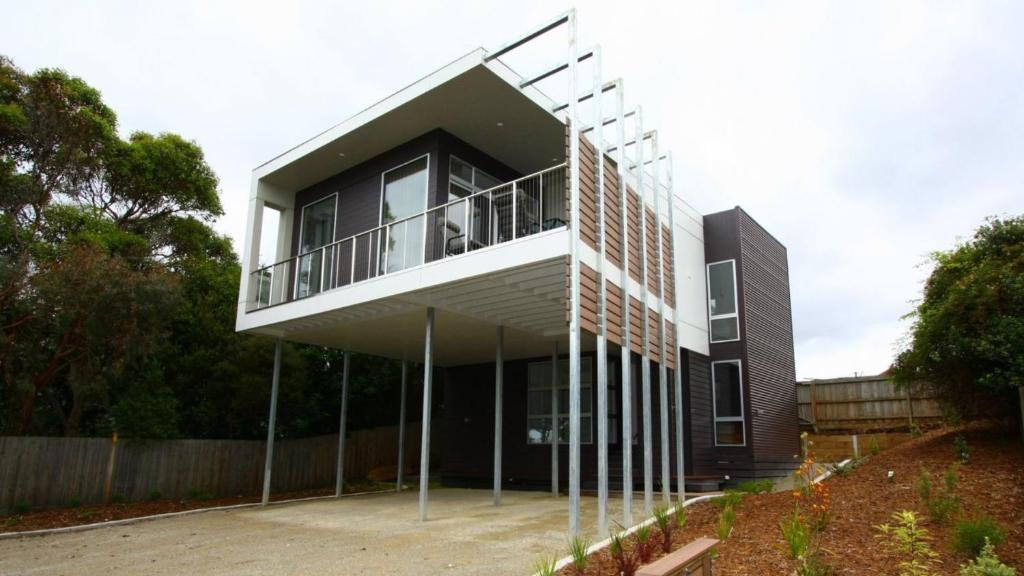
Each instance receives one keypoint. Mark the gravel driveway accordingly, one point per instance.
(369, 534)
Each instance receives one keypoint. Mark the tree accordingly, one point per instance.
(968, 333)
(90, 225)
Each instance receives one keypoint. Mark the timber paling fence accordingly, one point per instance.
(53, 471)
(864, 403)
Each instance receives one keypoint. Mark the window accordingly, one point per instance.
(316, 230)
(727, 384)
(538, 402)
(722, 307)
(404, 191)
(464, 180)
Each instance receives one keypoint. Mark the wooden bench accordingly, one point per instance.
(694, 559)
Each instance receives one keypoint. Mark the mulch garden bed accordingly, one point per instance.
(85, 514)
(992, 483)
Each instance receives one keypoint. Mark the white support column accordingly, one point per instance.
(268, 461)
(428, 368)
(602, 310)
(645, 365)
(666, 461)
(574, 296)
(400, 474)
(677, 373)
(625, 351)
(499, 376)
(554, 419)
(339, 479)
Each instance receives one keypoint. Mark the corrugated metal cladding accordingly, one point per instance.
(765, 346)
(768, 323)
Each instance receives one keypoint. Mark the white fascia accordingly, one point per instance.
(524, 251)
(396, 100)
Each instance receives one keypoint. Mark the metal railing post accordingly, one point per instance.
(514, 194)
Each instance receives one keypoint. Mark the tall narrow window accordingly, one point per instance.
(404, 201)
(316, 231)
(722, 306)
(538, 402)
(727, 383)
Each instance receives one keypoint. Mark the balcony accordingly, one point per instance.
(507, 212)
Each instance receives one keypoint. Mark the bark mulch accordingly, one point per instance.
(85, 514)
(991, 483)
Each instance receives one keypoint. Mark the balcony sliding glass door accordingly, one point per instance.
(316, 251)
(404, 195)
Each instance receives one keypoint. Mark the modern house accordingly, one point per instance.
(582, 325)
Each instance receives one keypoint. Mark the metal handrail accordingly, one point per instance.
(330, 260)
(414, 216)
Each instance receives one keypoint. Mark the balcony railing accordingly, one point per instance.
(512, 210)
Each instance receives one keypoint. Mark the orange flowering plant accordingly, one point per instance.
(812, 498)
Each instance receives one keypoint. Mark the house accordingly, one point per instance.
(531, 253)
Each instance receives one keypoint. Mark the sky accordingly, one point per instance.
(863, 135)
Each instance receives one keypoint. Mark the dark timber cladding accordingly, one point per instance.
(765, 346)
(359, 188)
(588, 276)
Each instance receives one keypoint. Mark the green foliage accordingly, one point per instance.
(916, 431)
(907, 538)
(74, 502)
(764, 486)
(812, 565)
(873, 446)
(626, 561)
(971, 535)
(545, 567)
(987, 564)
(197, 494)
(725, 521)
(797, 535)
(943, 503)
(644, 545)
(578, 546)
(969, 326)
(961, 448)
(118, 498)
(731, 497)
(155, 495)
(22, 507)
(668, 521)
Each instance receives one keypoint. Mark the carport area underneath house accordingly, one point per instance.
(362, 534)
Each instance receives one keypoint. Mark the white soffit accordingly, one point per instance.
(466, 98)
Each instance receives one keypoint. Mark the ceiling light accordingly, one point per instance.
(341, 154)
(500, 124)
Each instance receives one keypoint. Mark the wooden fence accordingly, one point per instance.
(865, 403)
(47, 472)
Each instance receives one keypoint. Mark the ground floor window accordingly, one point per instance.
(727, 385)
(539, 402)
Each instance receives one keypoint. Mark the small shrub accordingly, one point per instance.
(987, 564)
(118, 498)
(873, 446)
(813, 566)
(662, 518)
(155, 495)
(764, 486)
(626, 562)
(916, 431)
(22, 507)
(545, 567)
(841, 471)
(961, 449)
(943, 503)
(12, 520)
(680, 517)
(970, 536)
(578, 550)
(797, 536)
(725, 522)
(912, 541)
(197, 494)
(644, 545)
(85, 514)
(74, 502)
(731, 498)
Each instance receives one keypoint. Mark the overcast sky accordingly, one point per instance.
(862, 134)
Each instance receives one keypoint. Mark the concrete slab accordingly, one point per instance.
(371, 534)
